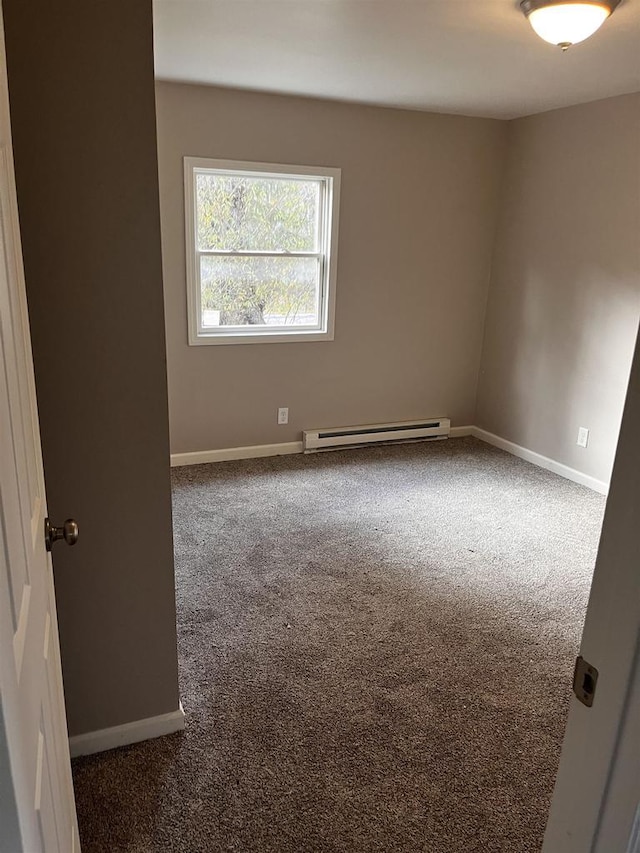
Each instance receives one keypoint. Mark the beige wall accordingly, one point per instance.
(82, 107)
(419, 199)
(565, 287)
(416, 229)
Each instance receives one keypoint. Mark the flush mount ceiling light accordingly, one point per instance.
(567, 22)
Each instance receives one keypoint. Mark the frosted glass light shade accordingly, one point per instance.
(565, 24)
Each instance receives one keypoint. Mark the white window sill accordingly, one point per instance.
(261, 338)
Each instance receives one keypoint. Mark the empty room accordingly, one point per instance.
(330, 366)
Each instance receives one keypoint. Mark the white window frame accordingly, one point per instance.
(327, 253)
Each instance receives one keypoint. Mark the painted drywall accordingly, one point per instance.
(83, 114)
(564, 299)
(417, 219)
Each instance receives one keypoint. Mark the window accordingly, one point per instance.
(261, 251)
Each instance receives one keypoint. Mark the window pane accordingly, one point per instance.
(249, 291)
(236, 213)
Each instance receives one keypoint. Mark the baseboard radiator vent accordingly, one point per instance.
(314, 440)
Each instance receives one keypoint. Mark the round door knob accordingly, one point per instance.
(69, 532)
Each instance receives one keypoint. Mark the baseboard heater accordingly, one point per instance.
(314, 440)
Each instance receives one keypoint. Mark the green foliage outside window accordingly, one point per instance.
(253, 214)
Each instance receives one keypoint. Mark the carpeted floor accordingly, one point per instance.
(376, 649)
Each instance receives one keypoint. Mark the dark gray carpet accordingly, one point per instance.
(375, 653)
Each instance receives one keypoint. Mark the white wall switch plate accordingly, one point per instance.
(283, 416)
(583, 437)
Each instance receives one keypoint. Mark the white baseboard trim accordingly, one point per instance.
(225, 454)
(103, 739)
(461, 431)
(541, 461)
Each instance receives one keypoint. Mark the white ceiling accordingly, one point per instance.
(475, 57)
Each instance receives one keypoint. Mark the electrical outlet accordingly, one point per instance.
(583, 437)
(283, 416)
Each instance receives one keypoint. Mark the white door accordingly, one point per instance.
(598, 786)
(619, 827)
(37, 809)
